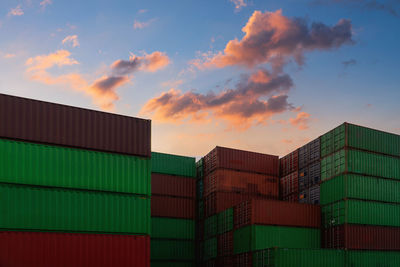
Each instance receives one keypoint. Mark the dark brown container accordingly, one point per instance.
(289, 184)
(241, 182)
(55, 124)
(225, 244)
(234, 159)
(226, 261)
(173, 207)
(170, 185)
(220, 201)
(289, 163)
(273, 212)
(360, 237)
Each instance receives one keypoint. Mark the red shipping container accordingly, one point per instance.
(220, 201)
(350, 236)
(225, 244)
(274, 212)
(55, 124)
(39, 249)
(173, 207)
(170, 185)
(289, 163)
(240, 182)
(289, 184)
(225, 261)
(291, 198)
(243, 260)
(234, 159)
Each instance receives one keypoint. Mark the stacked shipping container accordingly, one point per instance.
(173, 210)
(75, 186)
(289, 176)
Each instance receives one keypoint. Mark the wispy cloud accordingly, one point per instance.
(45, 3)
(9, 55)
(71, 39)
(17, 11)
(301, 121)
(239, 4)
(142, 11)
(142, 24)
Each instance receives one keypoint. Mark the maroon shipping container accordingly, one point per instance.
(289, 184)
(225, 244)
(289, 163)
(170, 185)
(220, 201)
(291, 198)
(240, 182)
(225, 261)
(38, 249)
(243, 260)
(234, 159)
(173, 207)
(352, 236)
(55, 124)
(274, 212)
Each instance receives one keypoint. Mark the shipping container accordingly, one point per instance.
(309, 153)
(310, 195)
(44, 165)
(234, 159)
(173, 264)
(289, 184)
(291, 198)
(243, 260)
(364, 237)
(226, 261)
(273, 212)
(200, 210)
(36, 208)
(372, 259)
(225, 244)
(173, 164)
(175, 250)
(361, 212)
(199, 169)
(257, 237)
(199, 188)
(354, 136)
(240, 182)
(289, 163)
(210, 248)
(360, 162)
(173, 207)
(210, 226)
(359, 187)
(225, 221)
(309, 175)
(171, 228)
(41, 249)
(170, 185)
(55, 124)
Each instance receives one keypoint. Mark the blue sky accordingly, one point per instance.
(126, 54)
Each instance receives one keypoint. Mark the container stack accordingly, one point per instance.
(289, 177)
(230, 177)
(310, 172)
(360, 171)
(199, 212)
(173, 201)
(74, 186)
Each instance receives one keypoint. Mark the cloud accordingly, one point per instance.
(71, 39)
(238, 4)
(45, 3)
(141, 11)
(301, 121)
(273, 38)
(142, 24)
(59, 58)
(9, 55)
(389, 6)
(17, 11)
(350, 62)
(149, 62)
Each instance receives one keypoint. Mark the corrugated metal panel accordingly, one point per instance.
(234, 159)
(34, 249)
(333, 140)
(360, 187)
(37, 164)
(360, 162)
(225, 221)
(173, 164)
(309, 153)
(243, 260)
(361, 212)
(372, 258)
(35, 208)
(170, 185)
(289, 184)
(48, 123)
(210, 226)
(257, 237)
(176, 250)
(289, 163)
(172, 264)
(271, 212)
(170, 228)
(225, 244)
(240, 182)
(310, 195)
(199, 169)
(173, 207)
(352, 236)
(210, 248)
(309, 175)
(291, 198)
(199, 188)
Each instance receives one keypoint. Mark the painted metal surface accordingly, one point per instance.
(41, 249)
(170, 185)
(173, 207)
(172, 250)
(210, 248)
(289, 163)
(372, 259)
(310, 195)
(309, 175)
(289, 184)
(225, 221)
(44, 165)
(173, 164)
(210, 226)
(225, 244)
(309, 153)
(172, 264)
(49, 123)
(170, 228)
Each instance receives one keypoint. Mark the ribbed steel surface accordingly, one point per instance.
(225, 221)
(35, 208)
(173, 164)
(310, 195)
(210, 248)
(170, 185)
(49, 123)
(173, 207)
(172, 250)
(171, 228)
(309, 153)
(40, 249)
(289, 163)
(172, 263)
(309, 175)
(210, 226)
(225, 244)
(289, 184)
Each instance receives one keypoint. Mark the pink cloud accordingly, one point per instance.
(142, 24)
(17, 11)
(71, 39)
(301, 121)
(239, 4)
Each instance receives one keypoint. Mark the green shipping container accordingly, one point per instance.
(350, 135)
(173, 164)
(210, 248)
(172, 250)
(361, 212)
(36, 164)
(225, 221)
(210, 226)
(292, 257)
(172, 264)
(43, 209)
(171, 228)
(372, 259)
(258, 237)
(360, 162)
(359, 187)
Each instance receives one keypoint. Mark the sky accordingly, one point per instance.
(265, 76)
